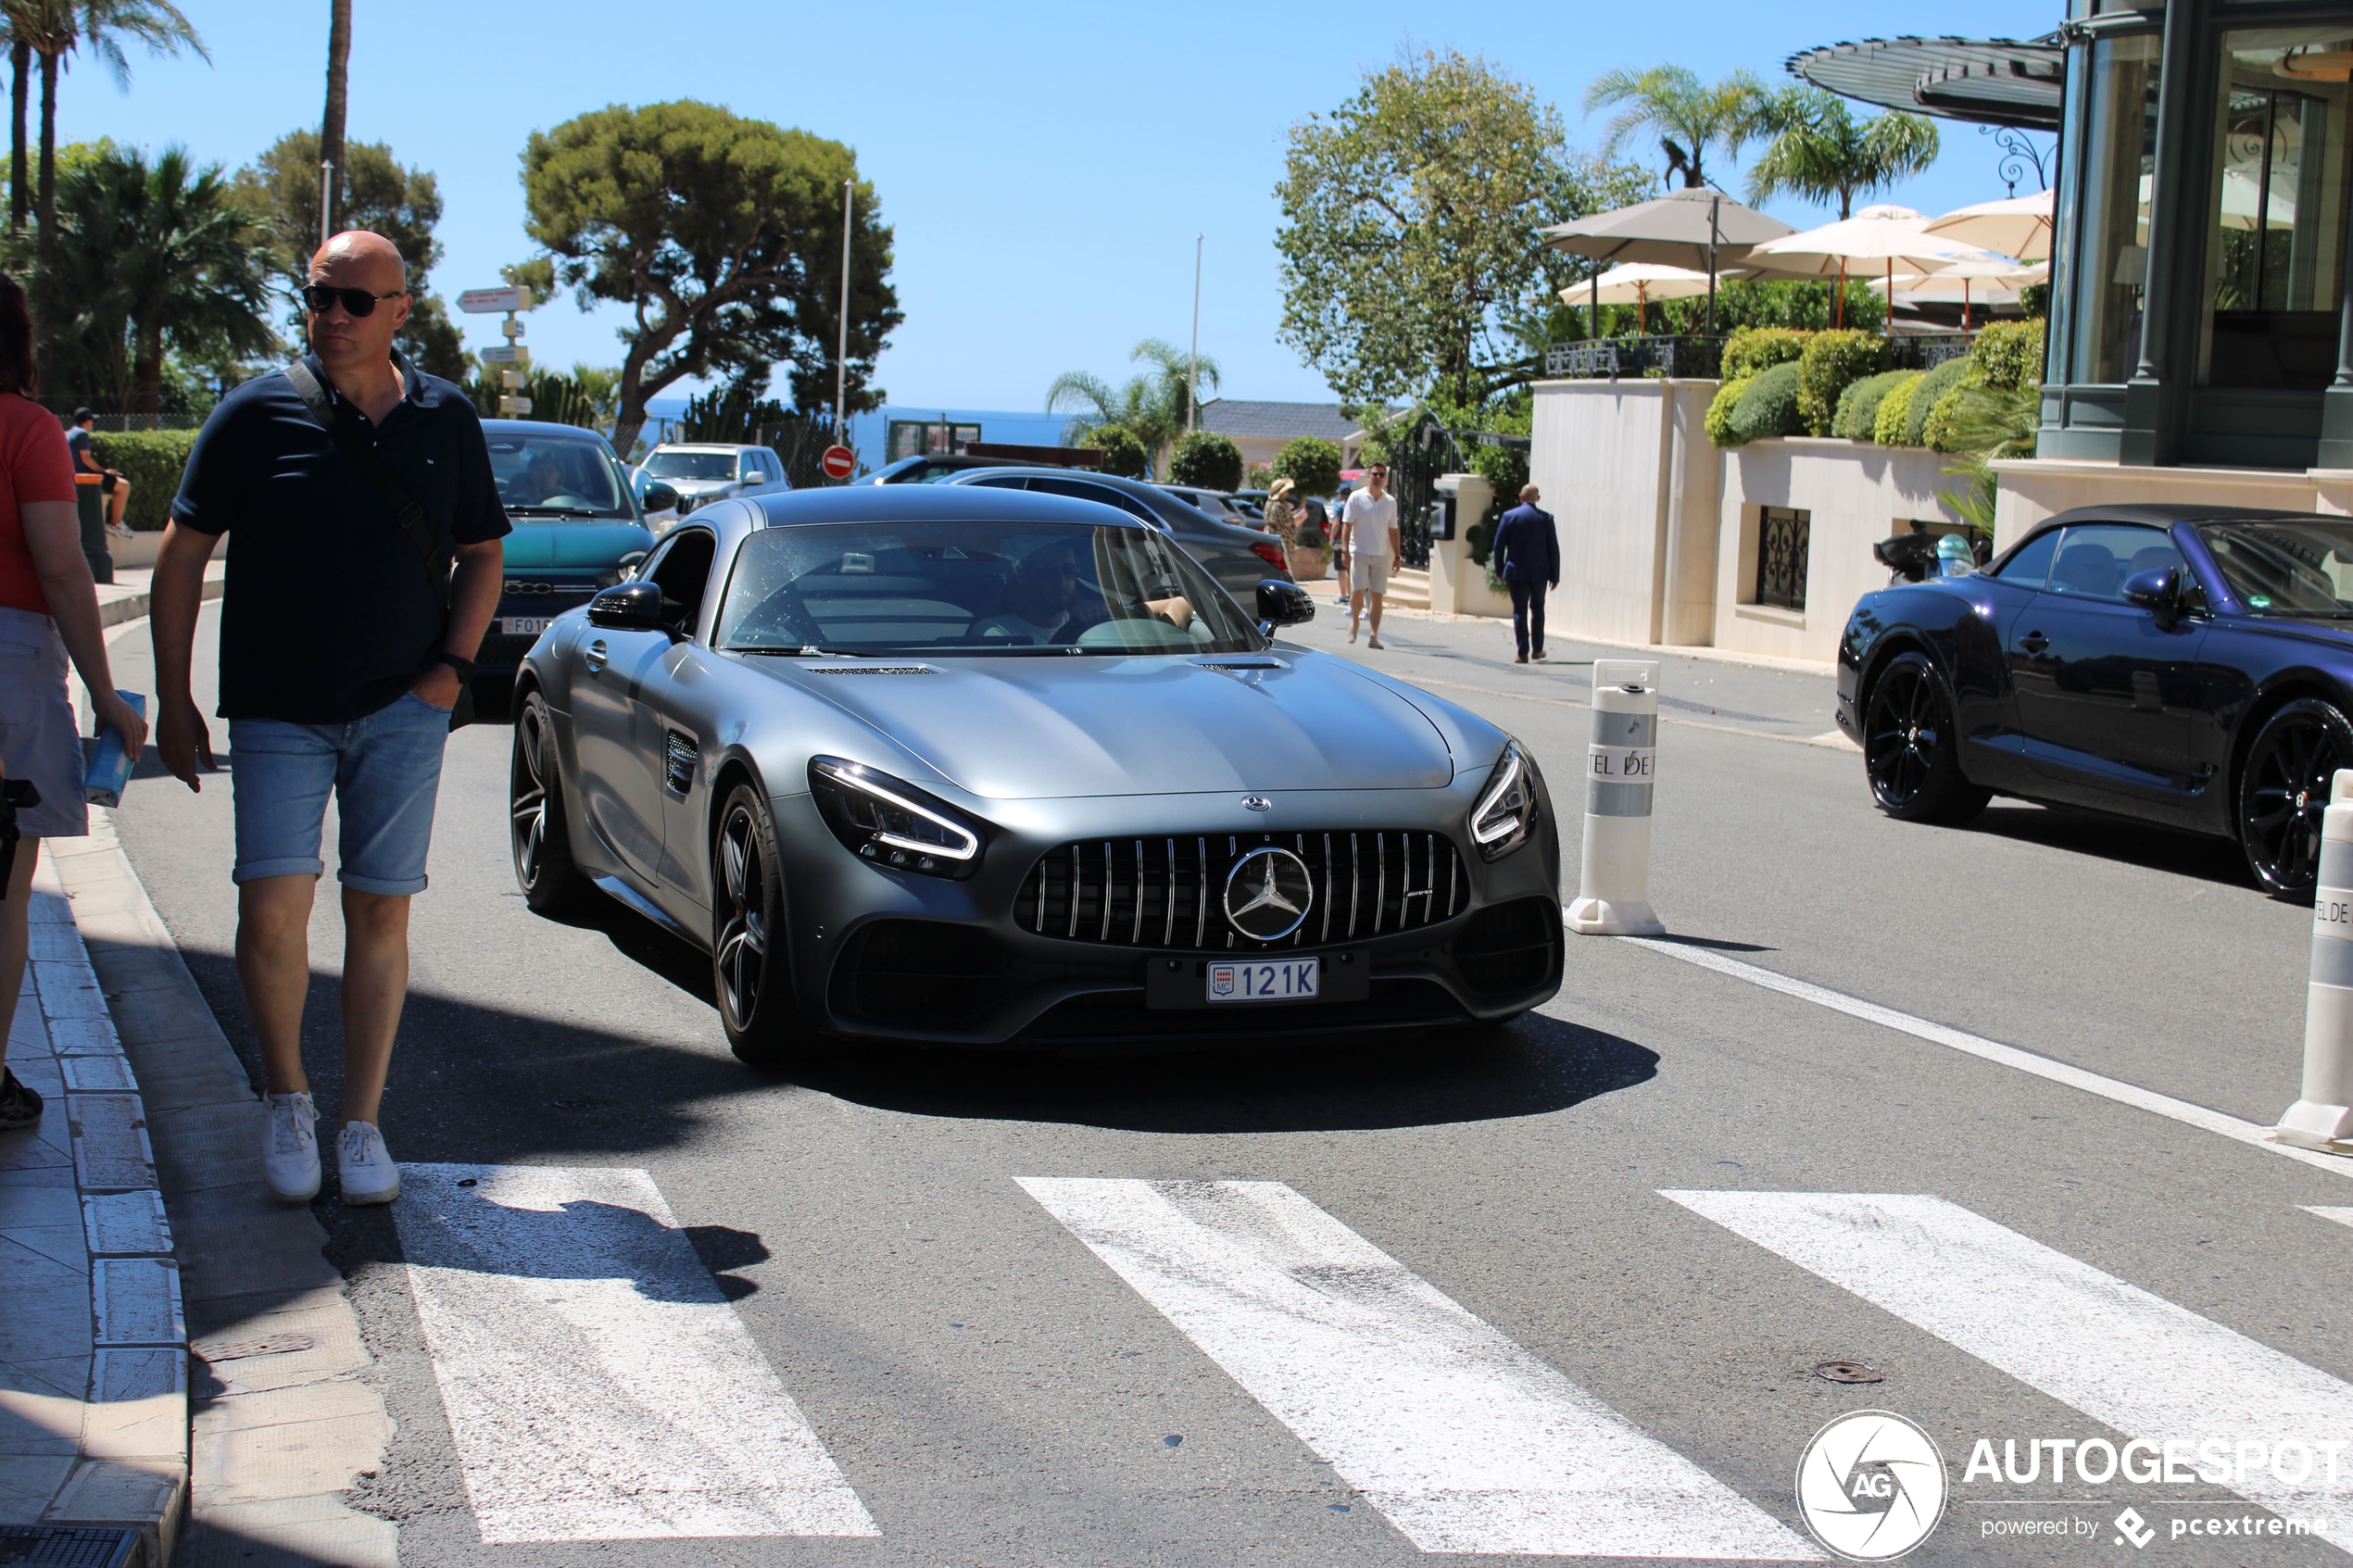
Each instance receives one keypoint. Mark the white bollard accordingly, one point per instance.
(1614, 882)
(2323, 1118)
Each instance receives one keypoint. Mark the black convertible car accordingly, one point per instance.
(2191, 666)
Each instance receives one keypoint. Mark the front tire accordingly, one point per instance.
(751, 969)
(541, 837)
(1911, 747)
(2284, 790)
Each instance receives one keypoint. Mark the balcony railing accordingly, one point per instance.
(1610, 358)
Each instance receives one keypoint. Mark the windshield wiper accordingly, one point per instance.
(559, 511)
(806, 650)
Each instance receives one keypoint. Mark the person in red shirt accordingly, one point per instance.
(48, 613)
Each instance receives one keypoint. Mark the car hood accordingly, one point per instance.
(702, 489)
(1026, 728)
(546, 541)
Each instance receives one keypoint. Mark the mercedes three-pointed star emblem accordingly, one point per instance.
(1268, 894)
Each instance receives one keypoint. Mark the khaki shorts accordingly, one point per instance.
(1371, 573)
(39, 739)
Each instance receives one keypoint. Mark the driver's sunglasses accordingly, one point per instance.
(357, 303)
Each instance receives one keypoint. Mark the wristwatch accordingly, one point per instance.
(464, 667)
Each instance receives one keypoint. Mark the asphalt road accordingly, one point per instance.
(1000, 1384)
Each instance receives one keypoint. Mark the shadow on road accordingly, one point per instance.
(2116, 838)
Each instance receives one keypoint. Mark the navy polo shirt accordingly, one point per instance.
(329, 612)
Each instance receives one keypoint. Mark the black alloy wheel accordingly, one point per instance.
(551, 882)
(1911, 750)
(751, 969)
(2284, 788)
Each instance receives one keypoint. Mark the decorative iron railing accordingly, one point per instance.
(1610, 358)
(1783, 539)
(1921, 352)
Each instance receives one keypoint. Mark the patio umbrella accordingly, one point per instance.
(1700, 230)
(1996, 282)
(1892, 236)
(2019, 226)
(1638, 283)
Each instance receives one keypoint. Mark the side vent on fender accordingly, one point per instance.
(680, 755)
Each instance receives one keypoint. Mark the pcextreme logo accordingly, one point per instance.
(1871, 1486)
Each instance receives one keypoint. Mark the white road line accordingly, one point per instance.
(2129, 1359)
(1462, 1440)
(598, 1385)
(2342, 1216)
(2198, 1116)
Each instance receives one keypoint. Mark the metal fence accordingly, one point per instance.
(1783, 538)
(1922, 352)
(1610, 358)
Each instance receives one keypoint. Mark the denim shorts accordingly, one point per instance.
(38, 737)
(382, 770)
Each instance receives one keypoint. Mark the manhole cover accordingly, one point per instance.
(1846, 1372)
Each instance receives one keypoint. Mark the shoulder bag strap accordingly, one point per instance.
(405, 509)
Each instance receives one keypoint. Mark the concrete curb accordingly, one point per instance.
(281, 1425)
(93, 1385)
(126, 598)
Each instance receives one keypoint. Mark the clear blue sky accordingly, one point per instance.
(1046, 166)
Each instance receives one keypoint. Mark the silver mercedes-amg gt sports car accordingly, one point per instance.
(981, 767)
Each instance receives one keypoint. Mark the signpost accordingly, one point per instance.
(510, 299)
(840, 462)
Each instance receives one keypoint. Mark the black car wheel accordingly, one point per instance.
(749, 968)
(551, 882)
(1911, 752)
(2284, 790)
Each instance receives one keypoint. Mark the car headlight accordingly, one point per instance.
(890, 822)
(1506, 807)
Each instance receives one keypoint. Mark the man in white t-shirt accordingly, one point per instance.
(1370, 519)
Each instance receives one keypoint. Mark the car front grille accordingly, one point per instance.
(1168, 892)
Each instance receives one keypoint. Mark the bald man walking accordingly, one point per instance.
(364, 566)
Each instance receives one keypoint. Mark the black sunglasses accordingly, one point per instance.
(356, 302)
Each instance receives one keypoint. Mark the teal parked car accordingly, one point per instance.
(578, 528)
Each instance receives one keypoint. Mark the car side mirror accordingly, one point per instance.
(631, 606)
(1283, 604)
(659, 498)
(2159, 591)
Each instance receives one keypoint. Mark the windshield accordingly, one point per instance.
(975, 588)
(692, 464)
(558, 476)
(2300, 567)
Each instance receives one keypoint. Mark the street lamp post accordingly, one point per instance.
(841, 350)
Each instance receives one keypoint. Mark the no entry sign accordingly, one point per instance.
(840, 462)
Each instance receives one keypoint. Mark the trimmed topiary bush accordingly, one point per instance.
(1831, 363)
(1210, 460)
(1858, 405)
(1719, 423)
(151, 460)
(1896, 409)
(1125, 454)
(1940, 432)
(1754, 350)
(1310, 462)
(1768, 406)
(1932, 389)
(2009, 355)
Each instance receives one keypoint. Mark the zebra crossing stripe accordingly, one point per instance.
(599, 1386)
(2327, 1211)
(1462, 1440)
(2127, 1358)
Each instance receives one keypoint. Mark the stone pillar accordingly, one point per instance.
(2157, 399)
(1457, 584)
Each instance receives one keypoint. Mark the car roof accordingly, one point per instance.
(706, 447)
(2164, 514)
(542, 427)
(1133, 487)
(932, 503)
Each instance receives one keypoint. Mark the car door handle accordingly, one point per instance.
(2033, 642)
(595, 657)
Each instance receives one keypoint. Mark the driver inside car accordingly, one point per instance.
(1038, 600)
(541, 483)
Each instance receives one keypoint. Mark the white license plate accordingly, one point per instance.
(517, 625)
(1281, 980)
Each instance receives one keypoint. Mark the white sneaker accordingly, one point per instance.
(290, 1149)
(364, 1166)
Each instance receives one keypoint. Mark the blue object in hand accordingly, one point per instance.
(110, 769)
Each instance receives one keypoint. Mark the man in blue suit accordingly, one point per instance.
(1528, 550)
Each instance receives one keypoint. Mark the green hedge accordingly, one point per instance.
(1754, 350)
(1832, 361)
(1768, 406)
(1125, 454)
(1207, 460)
(2009, 355)
(1948, 377)
(1310, 462)
(1858, 405)
(151, 460)
(1719, 423)
(1895, 410)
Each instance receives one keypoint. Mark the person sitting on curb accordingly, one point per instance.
(113, 485)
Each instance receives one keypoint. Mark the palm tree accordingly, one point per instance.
(1155, 408)
(1688, 116)
(331, 128)
(1821, 152)
(50, 30)
(19, 91)
(151, 257)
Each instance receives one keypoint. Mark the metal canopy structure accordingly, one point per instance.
(1984, 80)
